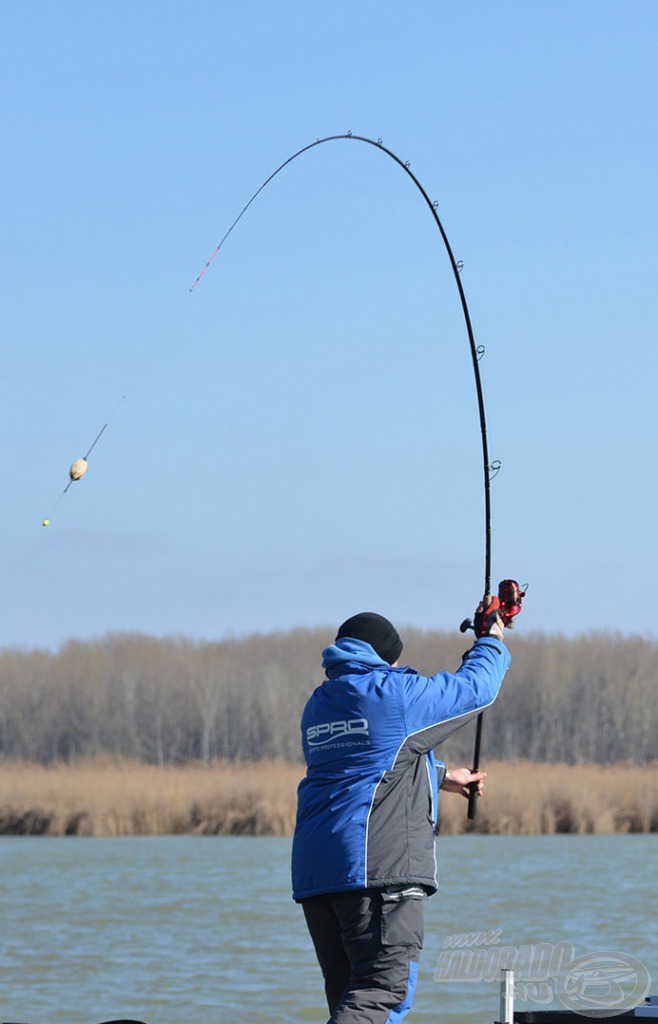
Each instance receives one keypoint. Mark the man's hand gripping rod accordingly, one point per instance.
(506, 605)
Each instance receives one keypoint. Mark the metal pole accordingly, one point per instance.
(507, 997)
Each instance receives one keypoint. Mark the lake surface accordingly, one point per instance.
(190, 930)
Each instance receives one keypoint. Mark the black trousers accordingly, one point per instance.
(367, 943)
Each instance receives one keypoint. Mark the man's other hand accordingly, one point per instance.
(458, 780)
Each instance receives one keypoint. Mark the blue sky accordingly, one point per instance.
(299, 437)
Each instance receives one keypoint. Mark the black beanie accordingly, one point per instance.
(375, 630)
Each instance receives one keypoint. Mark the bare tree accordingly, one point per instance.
(174, 700)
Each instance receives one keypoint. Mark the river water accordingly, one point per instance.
(191, 930)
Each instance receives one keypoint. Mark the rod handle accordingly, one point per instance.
(473, 788)
(472, 802)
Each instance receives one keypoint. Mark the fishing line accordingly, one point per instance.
(79, 466)
(136, 375)
(476, 352)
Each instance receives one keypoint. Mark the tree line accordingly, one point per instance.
(175, 700)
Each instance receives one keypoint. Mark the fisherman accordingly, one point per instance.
(363, 850)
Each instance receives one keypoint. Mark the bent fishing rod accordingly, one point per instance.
(476, 354)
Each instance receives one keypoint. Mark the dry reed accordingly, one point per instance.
(109, 798)
(529, 798)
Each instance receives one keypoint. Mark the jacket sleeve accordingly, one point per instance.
(435, 706)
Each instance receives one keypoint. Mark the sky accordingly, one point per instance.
(297, 440)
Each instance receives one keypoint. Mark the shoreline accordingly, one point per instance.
(103, 797)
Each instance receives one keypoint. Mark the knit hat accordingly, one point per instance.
(375, 630)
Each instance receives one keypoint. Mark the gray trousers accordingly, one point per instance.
(367, 943)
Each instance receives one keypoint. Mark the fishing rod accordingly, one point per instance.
(476, 354)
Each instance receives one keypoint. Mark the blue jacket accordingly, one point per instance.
(367, 807)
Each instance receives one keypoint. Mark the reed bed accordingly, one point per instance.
(109, 798)
(530, 798)
(118, 798)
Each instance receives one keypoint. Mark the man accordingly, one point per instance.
(363, 850)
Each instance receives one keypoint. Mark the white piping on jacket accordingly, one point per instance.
(473, 711)
(434, 814)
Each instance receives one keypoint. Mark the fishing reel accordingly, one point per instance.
(507, 603)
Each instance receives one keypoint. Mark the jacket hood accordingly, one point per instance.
(356, 654)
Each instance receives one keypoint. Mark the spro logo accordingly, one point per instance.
(327, 731)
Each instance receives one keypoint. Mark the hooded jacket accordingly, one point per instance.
(366, 811)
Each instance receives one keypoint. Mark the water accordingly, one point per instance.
(191, 930)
